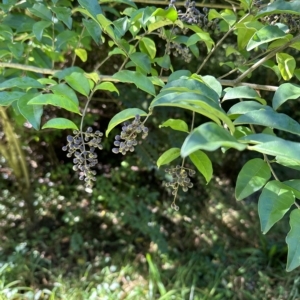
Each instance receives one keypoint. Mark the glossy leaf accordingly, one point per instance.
(209, 137)
(67, 71)
(147, 46)
(275, 146)
(128, 2)
(93, 29)
(243, 107)
(252, 177)
(92, 6)
(32, 113)
(41, 11)
(7, 98)
(168, 156)
(286, 65)
(39, 27)
(79, 83)
(163, 61)
(107, 86)
(213, 83)
(56, 100)
(265, 35)
(285, 92)
(63, 14)
(21, 83)
(202, 163)
(177, 124)
(64, 90)
(288, 162)
(81, 53)
(122, 116)
(293, 242)
(170, 13)
(294, 185)
(140, 80)
(201, 37)
(280, 7)
(142, 61)
(159, 24)
(269, 118)
(274, 202)
(60, 123)
(243, 92)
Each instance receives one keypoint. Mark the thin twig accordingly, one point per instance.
(264, 59)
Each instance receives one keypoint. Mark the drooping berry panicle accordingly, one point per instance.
(127, 139)
(82, 146)
(180, 178)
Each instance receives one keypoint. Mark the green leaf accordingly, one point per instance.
(177, 74)
(60, 123)
(203, 164)
(213, 83)
(177, 124)
(168, 156)
(128, 2)
(252, 177)
(79, 83)
(147, 46)
(16, 49)
(294, 185)
(65, 38)
(107, 86)
(272, 145)
(39, 27)
(122, 116)
(286, 65)
(32, 113)
(63, 14)
(227, 15)
(81, 53)
(293, 242)
(265, 35)
(274, 202)
(64, 90)
(7, 98)
(163, 61)
(56, 100)
(287, 162)
(93, 29)
(201, 37)
(280, 7)
(67, 71)
(141, 60)
(170, 13)
(139, 79)
(269, 118)
(285, 92)
(158, 24)
(106, 26)
(197, 102)
(41, 11)
(209, 137)
(21, 83)
(243, 107)
(92, 6)
(244, 92)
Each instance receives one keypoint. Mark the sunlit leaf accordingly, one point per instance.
(177, 124)
(285, 92)
(123, 116)
(202, 163)
(274, 202)
(252, 177)
(168, 156)
(60, 123)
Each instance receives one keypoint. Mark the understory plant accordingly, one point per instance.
(38, 37)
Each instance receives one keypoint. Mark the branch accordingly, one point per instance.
(264, 59)
(111, 79)
(210, 5)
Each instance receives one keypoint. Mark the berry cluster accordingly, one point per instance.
(126, 141)
(183, 52)
(193, 16)
(82, 146)
(180, 177)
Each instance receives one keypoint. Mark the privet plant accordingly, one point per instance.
(37, 36)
